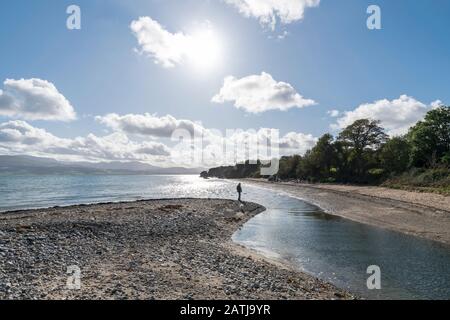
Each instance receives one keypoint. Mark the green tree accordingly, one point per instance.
(362, 134)
(395, 154)
(322, 158)
(307, 169)
(430, 138)
(361, 138)
(343, 165)
(288, 167)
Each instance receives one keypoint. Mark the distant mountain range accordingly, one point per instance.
(36, 165)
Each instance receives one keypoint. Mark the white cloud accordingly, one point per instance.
(116, 146)
(19, 137)
(283, 35)
(149, 125)
(214, 148)
(34, 99)
(396, 116)
(20, 133)
(268, 11)
(241, 145)
(333, 113)
(297, 143)
(436, 104)
(167, 49)
(260, 93)
(290, 143)
(201, 47)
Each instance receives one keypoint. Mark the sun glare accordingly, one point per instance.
(205, 53)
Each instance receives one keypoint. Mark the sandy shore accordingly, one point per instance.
(162, 249)
(420, 214)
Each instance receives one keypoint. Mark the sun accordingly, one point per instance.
(205, 52)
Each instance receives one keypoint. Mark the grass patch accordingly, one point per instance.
(431, 180)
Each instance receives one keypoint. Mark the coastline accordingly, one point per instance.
(155, 249)
(418, 214)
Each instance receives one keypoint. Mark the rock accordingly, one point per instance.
(144, 250)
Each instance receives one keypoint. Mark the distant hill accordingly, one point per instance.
(37, 165)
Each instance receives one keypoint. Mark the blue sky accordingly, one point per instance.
(329, 56)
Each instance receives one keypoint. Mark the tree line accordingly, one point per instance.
(363, 153)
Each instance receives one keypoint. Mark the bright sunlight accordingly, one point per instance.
(206, 51)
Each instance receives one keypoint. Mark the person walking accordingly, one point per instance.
(239, 190)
